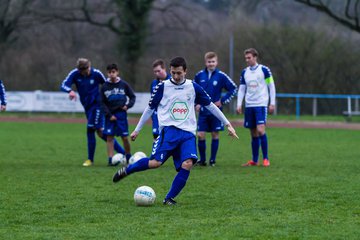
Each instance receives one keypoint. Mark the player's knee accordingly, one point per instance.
(261, 130)
(215, 135)
(201, 135)
(154, 164)
(187, 164)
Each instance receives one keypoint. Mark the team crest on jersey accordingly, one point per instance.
(215, 83)
(92, 81)
(179, 111)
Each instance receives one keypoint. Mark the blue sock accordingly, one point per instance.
(214, 149)
(264, 146)
(138, 166)
(178, 183)
(91, 142)
(202, 150)
(110, 160)
(255, 144)
(128, 156)
(117, 147)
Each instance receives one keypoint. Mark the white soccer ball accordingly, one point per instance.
(119, 158)
(136, 157)
(144, 196)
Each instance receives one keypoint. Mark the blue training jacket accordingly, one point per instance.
(87, 86)
(214, 86)
(2, 94)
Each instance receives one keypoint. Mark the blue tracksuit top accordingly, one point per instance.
(214, 86)
(87, 86)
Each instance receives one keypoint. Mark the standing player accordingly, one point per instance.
(114, 94)
(87, 81)
(2, 97)
(174, 99)
(213, 81)
(160, 73)
(256, 82)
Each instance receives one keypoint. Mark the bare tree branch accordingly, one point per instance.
(345, 18)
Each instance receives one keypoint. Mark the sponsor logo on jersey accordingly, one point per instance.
(252, 86)
(179, 111)
(215, 83)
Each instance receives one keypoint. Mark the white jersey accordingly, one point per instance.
(257, 80)
(176, 104)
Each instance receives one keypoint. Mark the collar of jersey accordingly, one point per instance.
(178, 84)
(215, 70)
(254, 68)
(117, 80)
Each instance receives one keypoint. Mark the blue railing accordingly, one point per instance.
(298, 96)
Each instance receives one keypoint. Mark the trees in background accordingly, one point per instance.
(304, 57)
(345, 12)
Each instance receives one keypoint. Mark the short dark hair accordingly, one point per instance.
(159, 62)
(178, 62)
(112, 66)
(252, 51)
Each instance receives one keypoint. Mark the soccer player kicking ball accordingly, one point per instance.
(256, 82)
(175, 100)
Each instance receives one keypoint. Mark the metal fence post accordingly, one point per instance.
(349, 106)
(314, 107)
(297, 107)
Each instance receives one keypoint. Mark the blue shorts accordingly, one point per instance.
(209, 123)
(95, 117)
(155, 124)
(119, 127)
(255, 116)
(179, 144)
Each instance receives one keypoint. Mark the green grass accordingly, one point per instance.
(311, 190)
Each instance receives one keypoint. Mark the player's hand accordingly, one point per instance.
(271, 109)
(113, 118)
(72, 95)
(197, 107)
(125, 108)
(134, 135)
(218, 104)
(231, 131)
(3, 108)
(239, 110)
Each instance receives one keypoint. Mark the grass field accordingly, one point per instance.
(311, 190)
